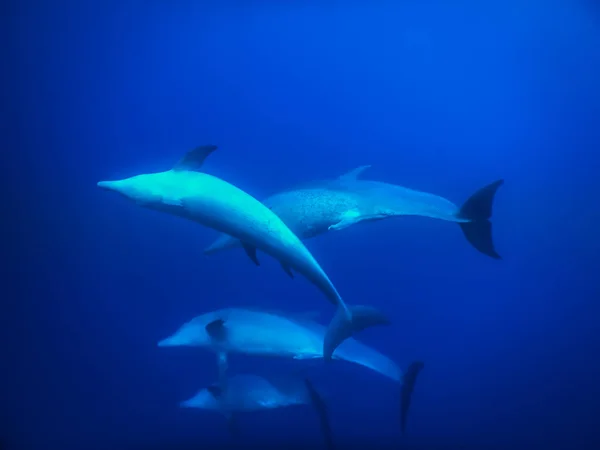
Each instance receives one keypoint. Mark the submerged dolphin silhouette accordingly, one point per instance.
(261, 333)
(321, 206)
(250, 393)
(184, 191)
(408, 386)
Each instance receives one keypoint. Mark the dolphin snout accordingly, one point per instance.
(108, 185)
(186, 404)
(168, 342)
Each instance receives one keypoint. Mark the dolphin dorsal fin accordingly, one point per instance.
(215, 390)
(354, 173)
(216, 329)
(194, 159)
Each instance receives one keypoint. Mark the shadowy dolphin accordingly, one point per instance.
(250, 393)
(321, 206)
(185, 192)
(321, 408)
(408, 386)
(261, 333)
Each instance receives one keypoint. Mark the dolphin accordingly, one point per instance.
(321, 206)
(260, 333)
(186, 192)
(247, 393)
(251, 393)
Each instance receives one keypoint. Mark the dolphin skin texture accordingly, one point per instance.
(186, 192)
(322, 206)
(262, 333)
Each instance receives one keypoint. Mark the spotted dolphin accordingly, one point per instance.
(322, 206)
(186, 192)
(263, 333)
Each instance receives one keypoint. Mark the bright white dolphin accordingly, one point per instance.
(261, 333)
(322, 206)
(184, 191)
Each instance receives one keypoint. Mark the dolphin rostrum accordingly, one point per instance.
(261, 333)
(186, 192)
(250, 393)
(322, 206)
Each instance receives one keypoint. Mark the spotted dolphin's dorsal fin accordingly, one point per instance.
(354, 173)
(194, 159)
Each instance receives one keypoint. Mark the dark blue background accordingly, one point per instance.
(442, 96)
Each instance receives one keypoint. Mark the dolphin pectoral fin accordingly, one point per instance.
(287, 270)
(194, 159)
(349, 218)
(347, 321)
(251, 252)
(478, 210)
(408, 384)
(354, 173)
(339, 226)
(216, 329)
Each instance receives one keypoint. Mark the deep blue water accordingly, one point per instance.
(441, 96)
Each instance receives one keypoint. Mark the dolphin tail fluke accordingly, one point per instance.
(408, 385)
(347, 321)
(478, 210)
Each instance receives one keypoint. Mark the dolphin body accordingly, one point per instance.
(322, 206)
(186, 192)
(251, 393)
(260, 333)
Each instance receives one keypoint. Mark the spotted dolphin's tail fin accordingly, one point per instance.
(408, 386)
(478, 210)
